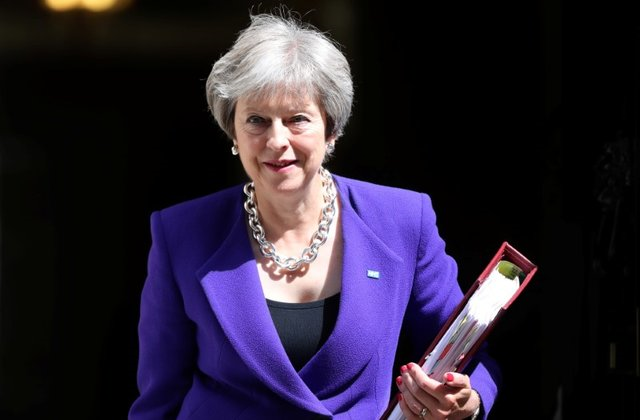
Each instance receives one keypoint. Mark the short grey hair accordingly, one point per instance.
(279, 54)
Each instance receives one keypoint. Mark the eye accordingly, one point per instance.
(296, 119)
(254, 119)
(255, 124)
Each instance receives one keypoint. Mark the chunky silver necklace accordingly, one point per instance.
(310, 253)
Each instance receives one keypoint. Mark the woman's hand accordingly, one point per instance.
(422, 397)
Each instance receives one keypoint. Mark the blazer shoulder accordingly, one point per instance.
(218, 201)
(213, 213)
(388, 211)
(383, 198)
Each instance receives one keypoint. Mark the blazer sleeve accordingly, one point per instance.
(435, 294)
(166, 337)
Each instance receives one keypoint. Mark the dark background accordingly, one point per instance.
(519, 118)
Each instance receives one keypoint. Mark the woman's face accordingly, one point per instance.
(281, 141)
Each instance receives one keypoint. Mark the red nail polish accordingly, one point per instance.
(448, 376)
(399, 397)
(404, 368)
(399, 380)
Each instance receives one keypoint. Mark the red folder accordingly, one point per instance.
(505, 252)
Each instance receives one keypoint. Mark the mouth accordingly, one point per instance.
(280, 164)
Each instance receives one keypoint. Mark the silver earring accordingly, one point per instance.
(330, 148)
(234, 149)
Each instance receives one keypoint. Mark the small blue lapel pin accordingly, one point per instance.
(373, 274)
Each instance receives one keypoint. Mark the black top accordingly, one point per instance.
(304, 327)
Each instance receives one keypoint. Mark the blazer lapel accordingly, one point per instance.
(232, 286)
(368, 283)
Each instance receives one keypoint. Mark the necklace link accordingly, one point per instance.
(319, 237)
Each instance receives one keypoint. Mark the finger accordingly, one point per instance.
(459, 390)
(421, 381)
(408, 384)
(419, 390)
(457, 380)
(439, 398)
(426, 389)
(412, 404)
(406, 410)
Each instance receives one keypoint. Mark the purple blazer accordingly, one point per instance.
(208, 346)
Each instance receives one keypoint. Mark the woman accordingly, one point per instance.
(284, 298)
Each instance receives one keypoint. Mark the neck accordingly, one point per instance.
(291, 217)
(290, 236)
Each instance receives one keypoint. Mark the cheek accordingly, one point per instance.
(248, 143)
(311, 146)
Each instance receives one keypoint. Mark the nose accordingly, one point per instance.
(278, 136)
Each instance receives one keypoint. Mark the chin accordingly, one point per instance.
(288, 187)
